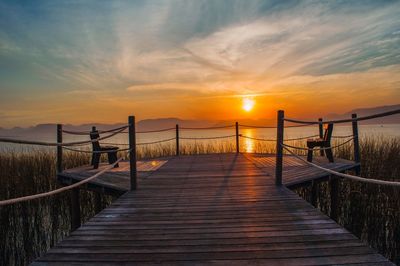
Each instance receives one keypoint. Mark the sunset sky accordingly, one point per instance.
(99, 61)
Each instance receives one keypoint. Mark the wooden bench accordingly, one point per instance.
(323, 143)
(98, 150)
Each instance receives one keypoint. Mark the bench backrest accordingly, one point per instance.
(94, 134)
(328, 132)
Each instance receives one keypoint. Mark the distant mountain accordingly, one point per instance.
(393, 119)
(48, 131)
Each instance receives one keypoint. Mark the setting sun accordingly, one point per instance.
(248, 104)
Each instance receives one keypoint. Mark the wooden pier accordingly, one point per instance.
(219, 209)
(117, 180)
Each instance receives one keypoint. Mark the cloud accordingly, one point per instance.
(296, 43)
(140, 42)
(140, 50)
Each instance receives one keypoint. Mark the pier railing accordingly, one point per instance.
(334, 175)
(129, 128)
(281, 146)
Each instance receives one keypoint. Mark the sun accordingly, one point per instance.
(248, 104)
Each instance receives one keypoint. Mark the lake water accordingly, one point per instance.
(247, 145)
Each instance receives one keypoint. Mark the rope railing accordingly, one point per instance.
(155, 131)
(155, 142)
(252, 126)
(57, 191)
(258, 139)
(71, 132)
(291, 126)
(206, 128)
(343, 137)
(205, 138)
(291, 139)
(94, 152)
(112, 130)
(352, 177)
(344, 120)
(271, 127)
(301, 138)
(115, 144)
(64, 144)
(317, 149)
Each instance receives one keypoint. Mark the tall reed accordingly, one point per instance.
(28, 229)
(369, 211)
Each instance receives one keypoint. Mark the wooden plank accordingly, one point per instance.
(304, 240)
(193, 256)
(372, 260)
(116, 180)
(220, 209)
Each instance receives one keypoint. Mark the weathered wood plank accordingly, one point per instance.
(198, 170)
(221, 209)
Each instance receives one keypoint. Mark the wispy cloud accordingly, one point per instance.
(132, 52)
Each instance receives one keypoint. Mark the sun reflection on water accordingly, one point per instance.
(248, 144)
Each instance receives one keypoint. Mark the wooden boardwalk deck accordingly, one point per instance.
(221, 209)
(116, 181)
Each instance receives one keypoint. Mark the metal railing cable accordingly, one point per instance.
(352, 177)
(42, 143)
(57, 191)
(206, 128)
(205, 138)
(344, 120)
(155, 142)
(317, 149)
(71, 132)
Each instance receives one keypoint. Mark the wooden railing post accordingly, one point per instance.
(177, 139)
(334, 190)
(321, 133)
(356, 143)
(132, 152)
(97, 196)
(237, 137)
(93, 155)
(59, 149)
(279, 148)
(75, 206)
(97, 202)
(314, 193)
(75, 209)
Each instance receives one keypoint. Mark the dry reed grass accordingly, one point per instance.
(28, 229)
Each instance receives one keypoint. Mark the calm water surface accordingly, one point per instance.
(387, 130)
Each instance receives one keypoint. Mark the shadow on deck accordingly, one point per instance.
(219, 209)
(116, 181)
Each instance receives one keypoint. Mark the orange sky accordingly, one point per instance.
(83, 64)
